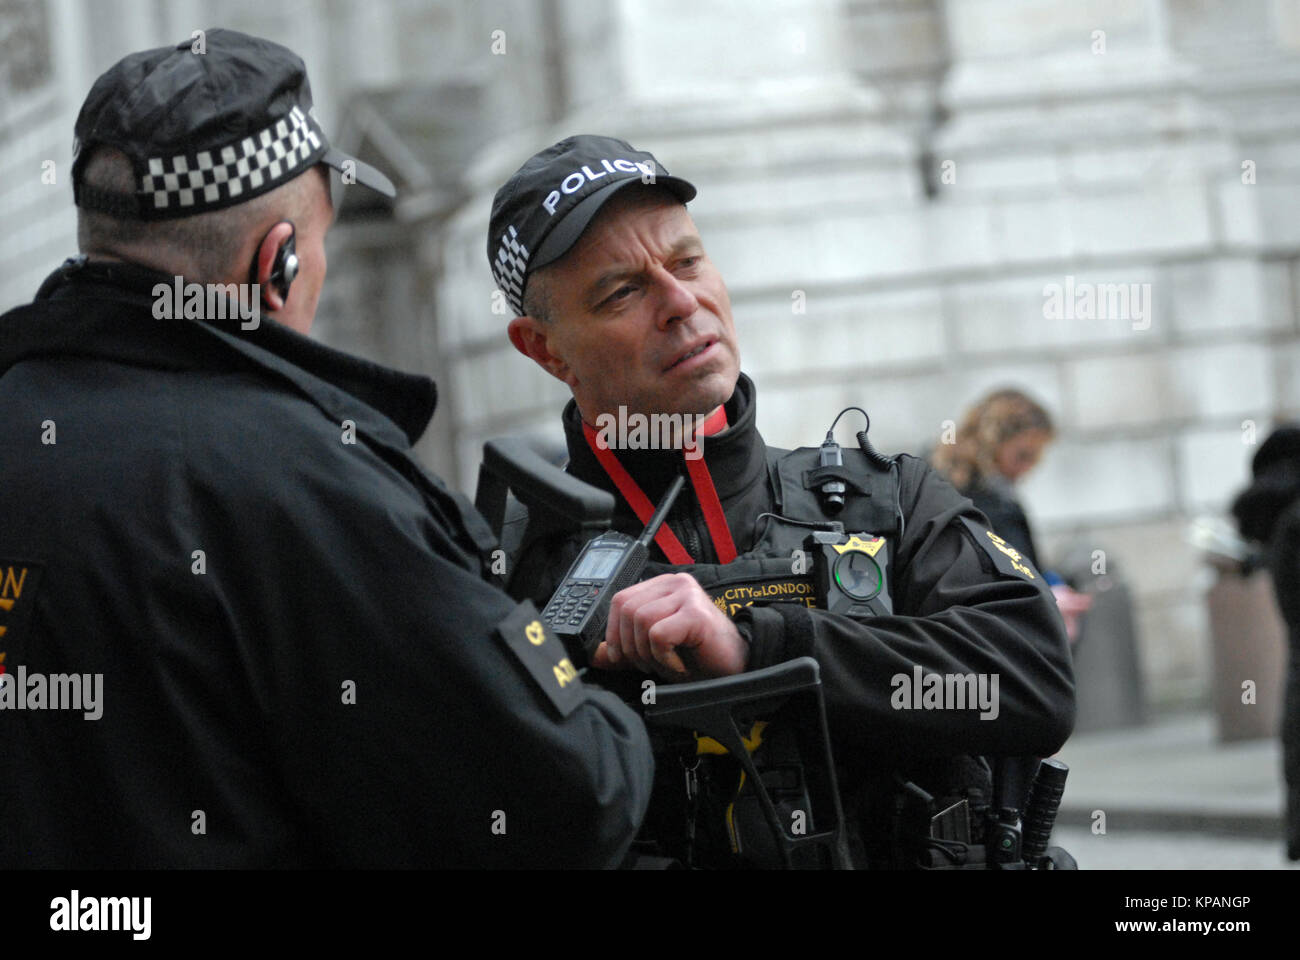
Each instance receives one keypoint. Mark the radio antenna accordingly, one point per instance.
(661, 512)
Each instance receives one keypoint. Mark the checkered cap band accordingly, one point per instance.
(511, 268)
(231, 174)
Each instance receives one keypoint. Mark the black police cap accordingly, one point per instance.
(543, 209)
(209, 123)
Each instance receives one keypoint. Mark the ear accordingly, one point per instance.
(266, 252)
(531, 337)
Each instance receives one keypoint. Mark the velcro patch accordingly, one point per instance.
(731, 596)
(1005, 557)
(543, 656)
(19, 581)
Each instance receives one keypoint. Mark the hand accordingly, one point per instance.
(653, 624)
(1072, 605)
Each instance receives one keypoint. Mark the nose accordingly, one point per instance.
(676, 302)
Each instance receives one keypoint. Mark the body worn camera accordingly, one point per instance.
(850, 572)
(579, 607)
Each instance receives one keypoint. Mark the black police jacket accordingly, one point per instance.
(299, 662)
(963, 602)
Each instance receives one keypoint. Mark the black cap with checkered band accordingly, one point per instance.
(209, 123)
(542, 210)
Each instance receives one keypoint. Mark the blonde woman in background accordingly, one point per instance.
(1000, 440)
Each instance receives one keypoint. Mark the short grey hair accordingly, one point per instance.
(537, 296)
(206, 247)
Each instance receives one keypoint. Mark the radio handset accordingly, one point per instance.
(610, 562)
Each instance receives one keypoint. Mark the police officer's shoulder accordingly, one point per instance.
(249, 437)
(928, 500)
(914, 473)
(918, 471)
(911, 466)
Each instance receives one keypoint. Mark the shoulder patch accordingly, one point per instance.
(19, 581)
(1006, 558)
(543, 656)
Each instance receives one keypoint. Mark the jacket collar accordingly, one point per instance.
(105, 310)
(735, 456)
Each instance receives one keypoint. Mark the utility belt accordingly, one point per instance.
(707, 814)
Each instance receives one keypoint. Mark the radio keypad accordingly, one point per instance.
(570, 607)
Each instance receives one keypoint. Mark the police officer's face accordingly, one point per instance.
(639, 315)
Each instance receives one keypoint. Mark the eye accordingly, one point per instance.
(618, 296)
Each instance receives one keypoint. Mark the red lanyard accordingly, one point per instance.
(701, 480)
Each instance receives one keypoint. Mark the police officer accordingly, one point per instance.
(615, 295)
(241, 627)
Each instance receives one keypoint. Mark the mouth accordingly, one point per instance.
(691, 355)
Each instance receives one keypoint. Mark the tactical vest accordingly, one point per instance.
(700, 785)
(787, 563)
(703, 813)
(782, 565)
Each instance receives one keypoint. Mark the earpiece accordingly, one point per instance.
(284, 267)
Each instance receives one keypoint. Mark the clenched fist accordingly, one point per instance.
(652, 624)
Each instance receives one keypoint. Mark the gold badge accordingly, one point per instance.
(535, 634)
(869, 547)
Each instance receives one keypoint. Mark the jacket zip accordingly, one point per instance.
(699, 537)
